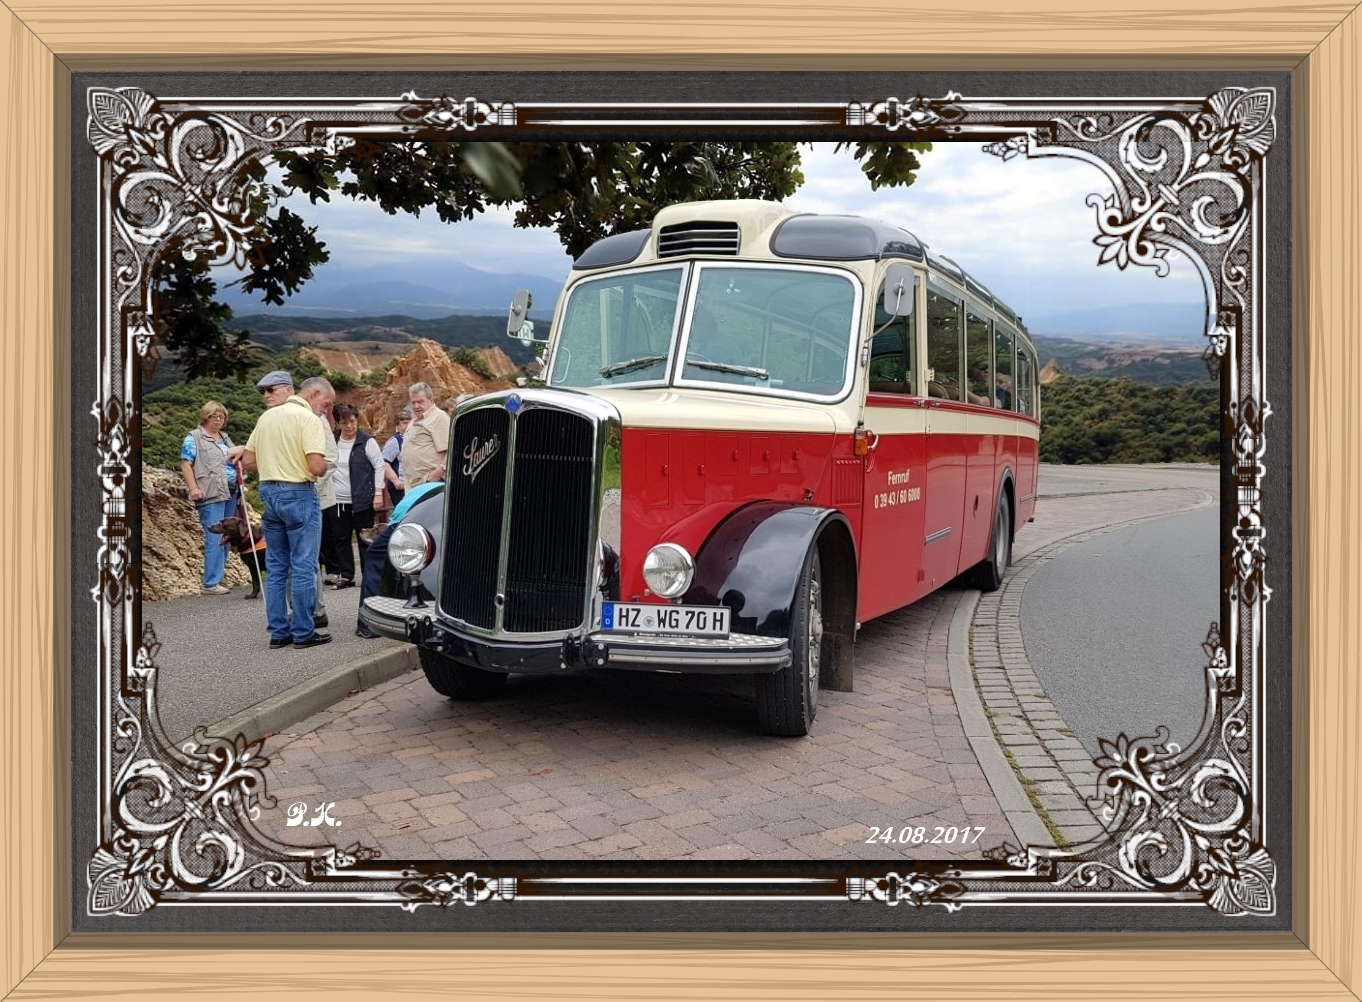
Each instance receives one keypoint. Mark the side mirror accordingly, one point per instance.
(518, 324)
(899, 290)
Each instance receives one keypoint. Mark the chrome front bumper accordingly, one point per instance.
(738, 653)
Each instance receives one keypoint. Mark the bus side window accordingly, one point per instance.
(979, 389)
(1004, 390)
(892, 365)
(1025, 381)
(944, 340)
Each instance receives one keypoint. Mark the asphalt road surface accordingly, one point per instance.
(1086, 618)
(215, 657)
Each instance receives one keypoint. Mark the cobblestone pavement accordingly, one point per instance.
(1057, 773)
(622, 765)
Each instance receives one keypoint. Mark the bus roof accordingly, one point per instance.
(758, 228)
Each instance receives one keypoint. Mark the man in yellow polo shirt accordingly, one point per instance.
(288, 449)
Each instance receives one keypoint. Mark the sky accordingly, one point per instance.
(1021, 227)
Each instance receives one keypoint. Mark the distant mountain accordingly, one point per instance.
(1156, 363)
(1177, 323)
(368, 334)
(424, 290)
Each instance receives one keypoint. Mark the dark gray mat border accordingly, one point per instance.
(709, 87)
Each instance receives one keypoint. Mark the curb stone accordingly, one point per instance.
(1007, 789)
(318, 693)
(1044, 753)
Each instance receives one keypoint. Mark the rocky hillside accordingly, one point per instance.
(357, 358)
(172, 541)
(427, 363)
(1152, 364)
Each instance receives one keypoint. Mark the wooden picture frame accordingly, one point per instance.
(45, 41)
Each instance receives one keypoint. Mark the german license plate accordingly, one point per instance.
(683, 620)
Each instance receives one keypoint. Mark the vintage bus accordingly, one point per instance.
(758, 429)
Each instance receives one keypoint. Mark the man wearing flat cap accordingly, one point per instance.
(287, 448)
(276, 387)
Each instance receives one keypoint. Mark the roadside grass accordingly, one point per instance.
(1029, 785)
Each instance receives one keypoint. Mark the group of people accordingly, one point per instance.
(322, 480)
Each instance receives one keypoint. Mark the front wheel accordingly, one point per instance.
(456, 680)
(788, 699)
(988, 573)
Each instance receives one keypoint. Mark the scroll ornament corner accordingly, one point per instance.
(916, 888)
(1182, 823)
(445, 889)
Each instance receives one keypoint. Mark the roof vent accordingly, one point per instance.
(698, 238)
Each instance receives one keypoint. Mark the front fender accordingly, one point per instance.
(429, 513)
(752, 561)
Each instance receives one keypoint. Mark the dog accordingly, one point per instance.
(233, 532)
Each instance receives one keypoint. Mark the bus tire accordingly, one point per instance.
(788, 699)
(459, 681)
(988, 573)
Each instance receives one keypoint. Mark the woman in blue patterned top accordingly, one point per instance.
(208, 465)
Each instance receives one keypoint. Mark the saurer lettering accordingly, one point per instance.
(478, 455)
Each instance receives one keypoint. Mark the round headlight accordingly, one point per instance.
(668, 570)
(410, 548)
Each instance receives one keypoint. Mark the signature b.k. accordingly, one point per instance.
(297, 815)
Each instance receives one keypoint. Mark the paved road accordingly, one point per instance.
(215, 657)
(1010, 654)
(615, 765)
(1106, 670)
(1068, 481)
(624, 765)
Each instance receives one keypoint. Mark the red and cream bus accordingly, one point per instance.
(758, 430)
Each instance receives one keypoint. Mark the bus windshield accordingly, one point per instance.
(761, 328)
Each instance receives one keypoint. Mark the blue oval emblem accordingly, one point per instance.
(513, 403)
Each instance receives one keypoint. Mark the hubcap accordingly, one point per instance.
(815, 633)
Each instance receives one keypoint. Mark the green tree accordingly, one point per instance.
(583, 192)
(471, 360)
(194, 326)
(1095, 420)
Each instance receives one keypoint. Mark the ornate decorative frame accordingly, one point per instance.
(176, 824)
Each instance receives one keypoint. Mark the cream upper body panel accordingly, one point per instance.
(665, 407)
(739, 232)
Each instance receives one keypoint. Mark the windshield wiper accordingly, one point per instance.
(629, 365)
(737, 370)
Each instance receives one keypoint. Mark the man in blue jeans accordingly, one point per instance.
(288, 450)
(377, 554)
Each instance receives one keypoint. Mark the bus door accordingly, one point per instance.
(981, 440)
(1025, 401)
(944, 490)
(894, 416)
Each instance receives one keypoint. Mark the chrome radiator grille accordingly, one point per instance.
(539, 560)
(551, 506)
(473, 513)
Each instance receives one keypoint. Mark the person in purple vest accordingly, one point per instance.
(358, 483)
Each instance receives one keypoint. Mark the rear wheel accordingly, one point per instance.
(988, 573)
(456, 680)
(788, 699)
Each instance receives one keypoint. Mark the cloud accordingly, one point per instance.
(1022, 227)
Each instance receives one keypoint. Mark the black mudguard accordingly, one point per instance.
(752, 561)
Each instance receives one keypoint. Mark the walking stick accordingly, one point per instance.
(245, 511)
